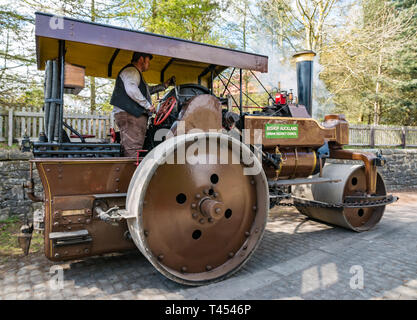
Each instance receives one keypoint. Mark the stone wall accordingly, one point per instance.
(14, 171)
(400, 173)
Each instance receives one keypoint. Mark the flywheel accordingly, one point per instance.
(198, 209)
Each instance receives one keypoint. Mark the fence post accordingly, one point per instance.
(372, 136)
(403, 137)
(10, 142)
(111, 120)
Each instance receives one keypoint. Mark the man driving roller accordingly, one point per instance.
(132, 102)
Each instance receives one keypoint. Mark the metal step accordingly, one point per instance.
(60, 239)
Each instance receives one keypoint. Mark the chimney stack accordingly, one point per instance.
(304, 63)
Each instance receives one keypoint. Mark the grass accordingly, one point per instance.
(5, 146)
(9, 247)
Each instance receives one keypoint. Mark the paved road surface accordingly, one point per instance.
(297, 259)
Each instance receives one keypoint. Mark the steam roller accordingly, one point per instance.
(344, 203)
(199, 220)
(195, 198)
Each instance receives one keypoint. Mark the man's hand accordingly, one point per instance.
(152, 109)
(169, 82)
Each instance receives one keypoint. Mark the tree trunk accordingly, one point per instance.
(377, 103)
(92, 94)
(153, 15)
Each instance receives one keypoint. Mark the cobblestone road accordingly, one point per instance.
(297, 259)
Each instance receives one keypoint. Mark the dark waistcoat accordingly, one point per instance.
(121, 100)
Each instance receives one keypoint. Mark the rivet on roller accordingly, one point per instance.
(193, 205)
(160, 257)
(231, 254)
(183, 269)
(247, 233)
(254, 208)
(198, 196)
(208, 268)
(195, 215)
(146, 233)
(201, 221)
(218, 210)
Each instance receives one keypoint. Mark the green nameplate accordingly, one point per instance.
(281, 131)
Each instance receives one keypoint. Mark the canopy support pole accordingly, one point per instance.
(165, 68)
(61, 84)
(205, 71)
(240, 93)
(110, 65)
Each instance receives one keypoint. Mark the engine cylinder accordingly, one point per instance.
(295, 163)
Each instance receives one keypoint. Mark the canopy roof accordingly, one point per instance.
(104, 49)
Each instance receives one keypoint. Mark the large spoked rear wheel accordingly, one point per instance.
(199, 221)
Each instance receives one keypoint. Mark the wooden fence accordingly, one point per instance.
(15, 124)
(382, 136)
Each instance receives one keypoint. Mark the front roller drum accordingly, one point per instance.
(353, 183)
(199, 221)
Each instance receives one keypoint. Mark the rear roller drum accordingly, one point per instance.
(197, 223)
(353, 183)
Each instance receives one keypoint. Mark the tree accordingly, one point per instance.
(16, 75)
(404, 68)
(301, 24)
(359, 62)
(187, 19)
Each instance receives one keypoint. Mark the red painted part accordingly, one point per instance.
(280, 98)
(83, 135)
(113, 135)
(164, 111)
(137, 156)
(249, 107)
